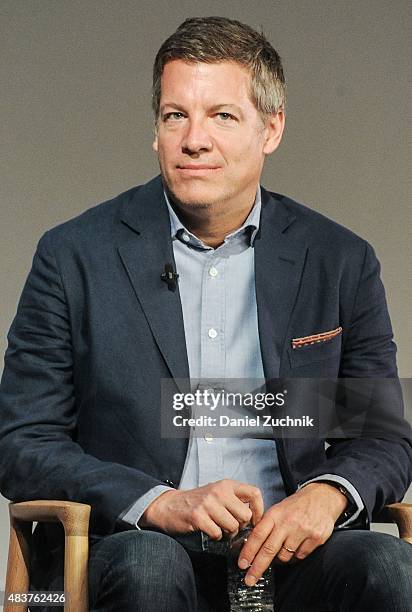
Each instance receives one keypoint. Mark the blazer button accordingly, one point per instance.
(170, 483)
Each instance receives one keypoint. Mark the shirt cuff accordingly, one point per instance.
(350, 488)
(135, 511)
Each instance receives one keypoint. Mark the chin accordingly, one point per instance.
(200, 196)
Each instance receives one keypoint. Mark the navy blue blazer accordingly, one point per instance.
(96, 329)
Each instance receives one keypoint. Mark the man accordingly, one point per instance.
(103, 318)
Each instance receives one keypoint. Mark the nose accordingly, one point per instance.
(196, 138)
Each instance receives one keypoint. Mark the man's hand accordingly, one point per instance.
(301, 523)
(218, 507)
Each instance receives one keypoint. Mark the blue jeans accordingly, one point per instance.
(147, 571)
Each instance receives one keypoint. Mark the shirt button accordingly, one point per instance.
(213, 272)
(212, 333)
(185, 237)
(209, 438)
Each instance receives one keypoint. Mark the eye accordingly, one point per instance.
(173, 116)
(226, 117)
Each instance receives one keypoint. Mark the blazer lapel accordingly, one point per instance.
(279, 265)
(144, 255)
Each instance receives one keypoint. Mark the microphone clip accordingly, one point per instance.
(170, 277)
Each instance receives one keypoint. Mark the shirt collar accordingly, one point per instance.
(249, 228)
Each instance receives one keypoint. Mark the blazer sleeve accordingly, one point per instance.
(378, 466)
(39, 455)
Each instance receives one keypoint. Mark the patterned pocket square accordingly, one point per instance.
(316, 338)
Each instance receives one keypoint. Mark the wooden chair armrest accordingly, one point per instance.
(73, 516)
(75, 520)
(401, 514)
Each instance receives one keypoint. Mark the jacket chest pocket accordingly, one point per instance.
(328, 349)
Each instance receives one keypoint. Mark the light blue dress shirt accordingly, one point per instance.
(217, 291)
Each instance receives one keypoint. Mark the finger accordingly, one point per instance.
(211, 529)
(222, 505)
(264, 558)
(225, 519)
(253, 495)
(255, 541)
(201, 521)
(287, 550)
(240, 510)
(307, 547)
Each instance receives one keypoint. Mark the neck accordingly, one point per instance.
(213, 223)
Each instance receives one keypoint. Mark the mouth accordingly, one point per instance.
(197, 169)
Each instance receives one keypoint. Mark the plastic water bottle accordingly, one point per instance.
(243, 598)
(258, 598)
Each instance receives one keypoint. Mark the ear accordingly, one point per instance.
(274, 131)
(155, 144)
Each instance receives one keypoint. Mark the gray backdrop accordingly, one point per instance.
(76, 124)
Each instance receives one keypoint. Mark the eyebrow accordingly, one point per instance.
(235, 107)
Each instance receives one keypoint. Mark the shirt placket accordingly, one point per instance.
(213, 357)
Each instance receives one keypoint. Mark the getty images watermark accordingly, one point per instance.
(218, 400)
(294, 408)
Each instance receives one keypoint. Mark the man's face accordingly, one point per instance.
(210, 139)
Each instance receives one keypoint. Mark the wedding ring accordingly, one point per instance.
(289, 549)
